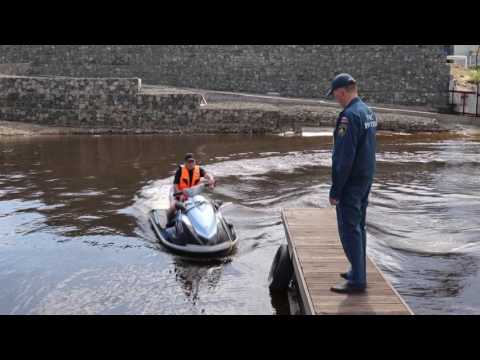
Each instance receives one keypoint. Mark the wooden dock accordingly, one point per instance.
(318, 259)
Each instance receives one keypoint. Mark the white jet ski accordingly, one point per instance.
(198, 227)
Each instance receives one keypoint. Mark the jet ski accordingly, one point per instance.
(198, 227)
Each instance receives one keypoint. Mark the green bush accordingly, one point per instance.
(474, 76)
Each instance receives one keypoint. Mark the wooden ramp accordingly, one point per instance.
(318, 259)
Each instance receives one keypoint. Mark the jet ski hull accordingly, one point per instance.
(166, 237)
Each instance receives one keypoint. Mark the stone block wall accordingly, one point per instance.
(254, 119)
(389, 74)
(15, 69)
(90, 102)
(122, 105)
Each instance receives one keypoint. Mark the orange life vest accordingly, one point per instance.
(185, 181)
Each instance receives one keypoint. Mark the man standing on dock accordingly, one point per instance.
(353, 169)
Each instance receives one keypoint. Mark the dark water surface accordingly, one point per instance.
(75, 238)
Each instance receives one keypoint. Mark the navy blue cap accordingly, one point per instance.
(341, 80)
(189, 157)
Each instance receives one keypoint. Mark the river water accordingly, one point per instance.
(75, 238)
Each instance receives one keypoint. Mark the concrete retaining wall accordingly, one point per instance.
(389, 74)
(90, 102)
(122, 105)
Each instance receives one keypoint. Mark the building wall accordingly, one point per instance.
(465, 49)
(390, 74)
(468, 50)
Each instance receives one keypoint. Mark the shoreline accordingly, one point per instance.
(223, 113)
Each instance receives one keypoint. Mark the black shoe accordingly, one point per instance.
(344, 275)
(346, 288)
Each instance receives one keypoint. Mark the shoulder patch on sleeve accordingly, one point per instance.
(342, 129)
(344, 120)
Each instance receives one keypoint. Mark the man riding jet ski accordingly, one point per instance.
(194, 224)
(187, 176)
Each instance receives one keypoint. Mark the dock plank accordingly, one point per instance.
(318, 258)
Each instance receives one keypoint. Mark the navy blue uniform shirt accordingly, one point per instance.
(354, 149)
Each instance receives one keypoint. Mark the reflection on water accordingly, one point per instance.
(75, 237)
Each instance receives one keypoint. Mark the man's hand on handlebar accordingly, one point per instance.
(181, 195)
(211, 183)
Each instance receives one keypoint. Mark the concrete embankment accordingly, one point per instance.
(44, 106)
(237, 117)
(258, 117)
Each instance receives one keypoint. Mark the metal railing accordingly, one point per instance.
(476, 57)
(464, 95)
